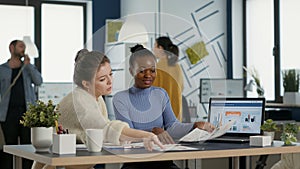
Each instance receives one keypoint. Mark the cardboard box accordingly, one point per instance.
(260, 141)
(64, 143)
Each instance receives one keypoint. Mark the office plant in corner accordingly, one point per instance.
(41, 118)
(289, 133)
(291, 86)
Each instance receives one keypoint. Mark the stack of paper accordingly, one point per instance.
(202, 135)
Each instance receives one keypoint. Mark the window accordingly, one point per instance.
(289, 35)
(14, 25)
(272, 22)
(63, 36)
(59, 29)
(260, 42)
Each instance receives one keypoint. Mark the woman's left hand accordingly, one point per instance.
(150, 141)
(204, 126)
(163, 135)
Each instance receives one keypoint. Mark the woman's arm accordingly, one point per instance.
(34, 74)
(175, 128)
(148, 138)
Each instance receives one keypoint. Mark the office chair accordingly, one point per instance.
(186, 118)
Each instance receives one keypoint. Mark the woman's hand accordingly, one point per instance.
(163, 135)
(148, 138)
(204, 126)
(150, 141)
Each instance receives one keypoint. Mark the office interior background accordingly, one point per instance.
(260, 35)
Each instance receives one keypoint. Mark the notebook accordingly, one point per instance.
(248, 114)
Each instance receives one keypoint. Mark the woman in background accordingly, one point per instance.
(169, 74)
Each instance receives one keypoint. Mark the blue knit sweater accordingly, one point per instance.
(147, 108)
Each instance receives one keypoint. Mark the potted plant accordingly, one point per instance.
(269, 128)
(291, 86)
(289, 133)
(41, 118)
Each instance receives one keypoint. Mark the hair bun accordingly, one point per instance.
(80, 54)
(171, 46)
(136, 48)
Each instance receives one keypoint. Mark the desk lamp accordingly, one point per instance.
(133, 32)
(249, 87)
(31, 48)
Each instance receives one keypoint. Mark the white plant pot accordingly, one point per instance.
(41, 138)
(270, 133)
(291, 98)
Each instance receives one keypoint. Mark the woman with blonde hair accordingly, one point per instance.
(85, 108)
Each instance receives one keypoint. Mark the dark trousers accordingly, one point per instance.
(13, 131)
(150, 165)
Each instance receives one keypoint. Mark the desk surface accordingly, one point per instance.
(206, 150)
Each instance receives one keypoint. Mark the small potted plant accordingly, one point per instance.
(289, 133)
(291, 86)
(41, 118)
(269, 128)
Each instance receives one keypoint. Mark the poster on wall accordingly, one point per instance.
(112, 29)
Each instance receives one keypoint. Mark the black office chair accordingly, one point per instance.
(186, 118)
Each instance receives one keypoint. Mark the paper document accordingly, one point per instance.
(167, 147)
(174, 147)
(202, 135)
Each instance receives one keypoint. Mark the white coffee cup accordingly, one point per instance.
(94, 139)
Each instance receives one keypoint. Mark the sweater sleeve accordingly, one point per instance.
(35, 74)
(90, 114)
(175, 128)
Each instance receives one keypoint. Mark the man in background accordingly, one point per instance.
(17, 77)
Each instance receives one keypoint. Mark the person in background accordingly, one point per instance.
(146, 107)
(169, 74)
(17, 78)
(84, 107)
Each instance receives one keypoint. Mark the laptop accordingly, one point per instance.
(248, 114)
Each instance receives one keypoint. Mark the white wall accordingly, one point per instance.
(182, 20)
(144, 12)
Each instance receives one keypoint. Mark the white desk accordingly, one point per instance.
(206, 150)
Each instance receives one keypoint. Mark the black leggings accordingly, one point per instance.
(12, 131)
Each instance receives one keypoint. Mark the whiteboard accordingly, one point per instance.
(220, 88)
(54, 91)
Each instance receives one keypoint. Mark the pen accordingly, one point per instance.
(56, 127)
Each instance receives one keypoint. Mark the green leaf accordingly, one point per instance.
(40, 114)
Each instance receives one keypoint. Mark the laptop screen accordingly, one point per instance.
(248, 114)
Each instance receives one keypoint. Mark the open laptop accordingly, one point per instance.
(248, 114)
